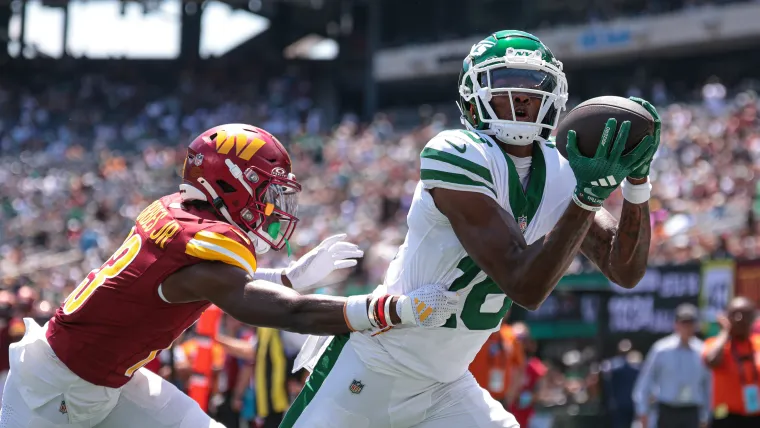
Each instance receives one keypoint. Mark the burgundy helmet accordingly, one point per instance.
(245, 174)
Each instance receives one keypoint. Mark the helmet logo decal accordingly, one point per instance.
(198, 159)
(480, 48)
(244, 148)
(279, 172)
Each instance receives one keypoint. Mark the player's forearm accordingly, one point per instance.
(322, 315)
(284, 309)
(269, 305)
(630, 246)
(540, 267)
(620, 249)
(490, 235)
(332, 314)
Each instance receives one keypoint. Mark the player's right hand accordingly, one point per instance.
(598, 176)
(332, 254)
(642, 171)
(428, 306)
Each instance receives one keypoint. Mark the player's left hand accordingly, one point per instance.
(598, 176)
(428, 306)
(642, 169)
(333, 253)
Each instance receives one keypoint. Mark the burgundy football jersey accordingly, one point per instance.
(116, 321)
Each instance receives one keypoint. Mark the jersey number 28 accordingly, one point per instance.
(472, 316)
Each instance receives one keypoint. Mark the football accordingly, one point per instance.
(588, 120)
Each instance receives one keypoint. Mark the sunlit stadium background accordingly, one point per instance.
(98, 99)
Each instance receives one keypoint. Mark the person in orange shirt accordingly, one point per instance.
(523, 407)
(499, 365)
(190, 347)
(734, 359)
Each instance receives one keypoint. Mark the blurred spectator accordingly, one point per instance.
(238, 344)
(499, 366)
(714, 95)
(733, 359)
(524, 406)
(272, 369)
(170, 363)
(619, 377)
(674, 378)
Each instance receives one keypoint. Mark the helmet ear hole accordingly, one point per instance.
(225, 186)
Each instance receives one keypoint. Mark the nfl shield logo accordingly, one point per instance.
(356, 386)
(522, 221)
(198, 159)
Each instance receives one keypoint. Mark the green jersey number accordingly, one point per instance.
(471, 316)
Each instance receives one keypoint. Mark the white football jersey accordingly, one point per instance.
(432, 254)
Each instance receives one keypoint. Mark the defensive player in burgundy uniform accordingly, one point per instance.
(186, 251)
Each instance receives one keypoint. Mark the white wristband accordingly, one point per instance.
(636, 193)
(355, 313)
(270, 275)
(585, 206)
(405, 311)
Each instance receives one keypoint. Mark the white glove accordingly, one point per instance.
(321, 261)
(428, 306)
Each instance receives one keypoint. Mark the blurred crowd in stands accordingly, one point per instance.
(79, 158)
(608, 11)
(82, 154)
(481, 15)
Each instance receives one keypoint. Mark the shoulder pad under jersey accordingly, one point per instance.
(221, 242)
(457, 160)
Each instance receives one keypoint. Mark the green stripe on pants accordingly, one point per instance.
(321, 370)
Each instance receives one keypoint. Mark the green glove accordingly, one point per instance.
(642, 170)
(597, 177)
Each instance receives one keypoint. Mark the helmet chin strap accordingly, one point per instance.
(516, 134)
(259, 245)
(190, 193)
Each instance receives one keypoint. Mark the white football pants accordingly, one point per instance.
(41, 392)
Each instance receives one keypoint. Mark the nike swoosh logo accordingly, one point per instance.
(459, 149)
(590, 192)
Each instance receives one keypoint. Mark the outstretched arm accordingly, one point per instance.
(265, 304)
(490, 235)
(620, 249)
(261, 303)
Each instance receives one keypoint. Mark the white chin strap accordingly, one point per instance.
(259, 245)
(516, 134)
